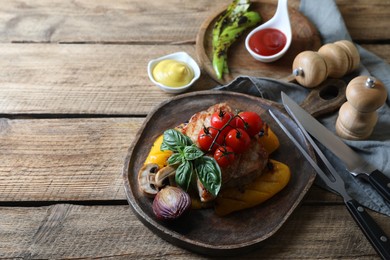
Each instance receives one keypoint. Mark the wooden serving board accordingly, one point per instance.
(304, 37)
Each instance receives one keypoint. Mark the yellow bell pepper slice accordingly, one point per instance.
(263, 188)
(269, 140)
(156, 155)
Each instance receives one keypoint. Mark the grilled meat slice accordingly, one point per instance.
(247, 166)
(201, 119)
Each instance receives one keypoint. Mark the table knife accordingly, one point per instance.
(377, 237)
(355, 164)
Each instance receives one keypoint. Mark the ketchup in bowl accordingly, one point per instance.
(267, 42)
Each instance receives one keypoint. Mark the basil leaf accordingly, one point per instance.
(192, 152)
(173, 140)
(209, 174)
(183, 175)
(175, 158)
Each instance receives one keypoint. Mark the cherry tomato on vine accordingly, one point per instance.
(238, 139)
(224, 155)
(253, 122)
(206, 137)
(220, 119)
(237, 122)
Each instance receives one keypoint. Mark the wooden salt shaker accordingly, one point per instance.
(336, 59)
(333, 60)
(309, 69)
(358, 116)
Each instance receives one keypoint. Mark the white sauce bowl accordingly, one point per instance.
(178, 56)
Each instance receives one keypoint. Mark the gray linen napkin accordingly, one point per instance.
(329, 22)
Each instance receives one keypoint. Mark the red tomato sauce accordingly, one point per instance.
(267, 42)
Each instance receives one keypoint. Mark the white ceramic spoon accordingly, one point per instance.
(279, 21)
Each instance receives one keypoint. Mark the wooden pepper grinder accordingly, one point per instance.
(333, 60)
(358, 116)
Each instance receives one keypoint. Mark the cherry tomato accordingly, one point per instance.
(238, 139)
(224, 155)
(220, 119)
(253, 123)
(206, 137)
(237, 122)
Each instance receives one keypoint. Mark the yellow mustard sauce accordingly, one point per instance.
(173, 73)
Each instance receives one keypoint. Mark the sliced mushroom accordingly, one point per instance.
(146, 179)
(163, 174)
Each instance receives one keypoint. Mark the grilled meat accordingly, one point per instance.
(247, 166)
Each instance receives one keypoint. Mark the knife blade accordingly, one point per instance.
(374, 233)
(355, 164)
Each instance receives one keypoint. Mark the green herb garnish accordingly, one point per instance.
(191, 161)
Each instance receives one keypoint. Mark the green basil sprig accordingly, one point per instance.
(209, 174)
(174, 140)
(191, 162)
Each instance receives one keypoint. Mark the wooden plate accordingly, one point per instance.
(202, 231)
(240, 62)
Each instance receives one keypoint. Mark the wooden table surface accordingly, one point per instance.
(73, 93)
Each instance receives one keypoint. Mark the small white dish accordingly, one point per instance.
(279, 21)
(179, 56)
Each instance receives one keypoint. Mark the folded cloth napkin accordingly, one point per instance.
(376, 149)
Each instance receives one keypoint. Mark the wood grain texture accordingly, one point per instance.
(72, 231)
(82, 79)
(372, 21)
(118, 21)
(64, 159)
(89, 79)
(98, 74)
(121, 21)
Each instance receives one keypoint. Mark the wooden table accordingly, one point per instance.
(74, 92)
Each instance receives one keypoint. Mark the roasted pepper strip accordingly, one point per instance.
(228, 28)
(156, 155)
(269, 140)
(263, 188)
